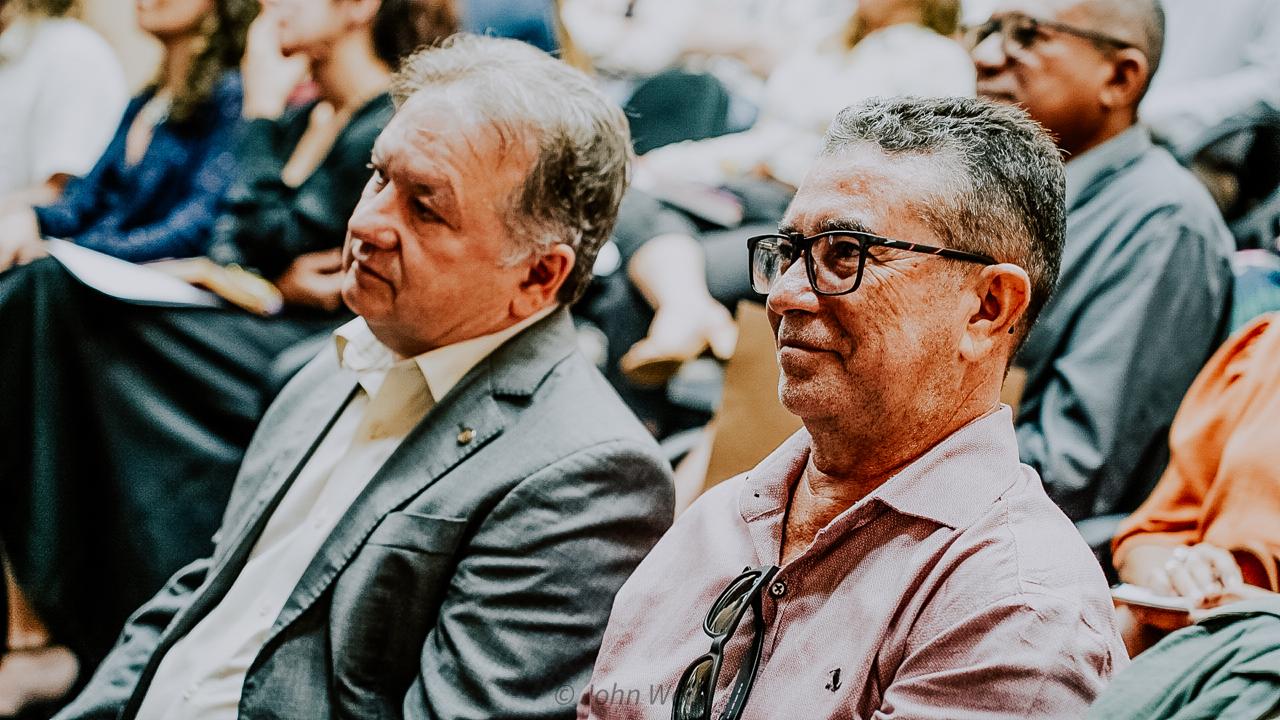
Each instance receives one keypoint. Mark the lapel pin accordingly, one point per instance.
(466, 435)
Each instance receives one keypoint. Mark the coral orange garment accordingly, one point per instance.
(1222, 485)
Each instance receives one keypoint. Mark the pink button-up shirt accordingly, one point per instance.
(955, 590)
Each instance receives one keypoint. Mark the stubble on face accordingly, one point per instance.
(866, 357)
(428, 261)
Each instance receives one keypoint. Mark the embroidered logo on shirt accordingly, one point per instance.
(834, 685)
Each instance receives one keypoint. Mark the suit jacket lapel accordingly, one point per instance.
(298, 440)
(323, 397)
(461, 423)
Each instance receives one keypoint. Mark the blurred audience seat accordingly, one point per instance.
(677, 105)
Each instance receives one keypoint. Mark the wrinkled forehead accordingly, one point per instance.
(863, 188)
(451, 122)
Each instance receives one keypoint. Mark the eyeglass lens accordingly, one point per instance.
(1016, 33)
(729, 606)
(837, 262)
(693, 702)
(769, 260)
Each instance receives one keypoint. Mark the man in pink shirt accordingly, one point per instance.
(893, 559)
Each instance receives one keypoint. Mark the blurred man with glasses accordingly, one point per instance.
(1145, 276)
(893, 558)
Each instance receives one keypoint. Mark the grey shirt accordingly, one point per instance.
(1141, 304)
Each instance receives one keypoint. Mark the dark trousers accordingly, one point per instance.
(122, 429)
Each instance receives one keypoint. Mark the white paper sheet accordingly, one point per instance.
(127, 281)
(1138, 595)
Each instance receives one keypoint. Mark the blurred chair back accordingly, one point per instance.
(677, 105)
(1260, 226)
(751, 422)
(1257, 285)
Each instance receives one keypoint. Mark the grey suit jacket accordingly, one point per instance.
(472, 578)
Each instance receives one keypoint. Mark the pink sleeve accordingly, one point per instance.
(1029, 656)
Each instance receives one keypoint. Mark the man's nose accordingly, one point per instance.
(791, 292)
(371, 222)
(989, 56)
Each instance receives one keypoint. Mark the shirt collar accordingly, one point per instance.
(1095, 166)
(361, 352)
(952, 484)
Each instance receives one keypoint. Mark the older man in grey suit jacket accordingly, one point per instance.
(432, 521)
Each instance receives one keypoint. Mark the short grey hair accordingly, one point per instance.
(580, 140)
(1004, 179)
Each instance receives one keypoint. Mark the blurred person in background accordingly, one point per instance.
(1219, 82)
(682, 277)
(1142, 299)
(887, 48)
(154, 188)
(670, 61)
(1210, 532)
(531, 21)
(131, 396)
(633, 39)
(154, 191)
(63, 91)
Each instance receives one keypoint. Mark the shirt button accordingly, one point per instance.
(778, 589)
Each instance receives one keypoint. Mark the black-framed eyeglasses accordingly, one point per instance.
(834, 260)
(1018, 32)
(695, 693)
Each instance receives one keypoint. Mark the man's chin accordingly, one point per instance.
(799, 389)
(799, 401)
(362, 300)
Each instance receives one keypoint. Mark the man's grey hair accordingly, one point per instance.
(1005, 185)
(580, 140)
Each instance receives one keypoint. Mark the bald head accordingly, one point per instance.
(1137, 22)
(1079, 67)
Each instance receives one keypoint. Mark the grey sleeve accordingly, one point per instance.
(521, 624)
(110, 688)
(1133, 351)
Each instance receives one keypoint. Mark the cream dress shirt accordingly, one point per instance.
(201, 676)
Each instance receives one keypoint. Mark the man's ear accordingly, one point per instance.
(544, 276)
(1130, 71)
(1003, 293)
